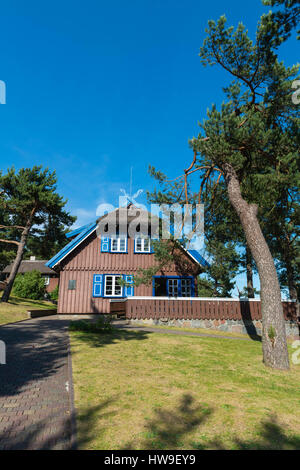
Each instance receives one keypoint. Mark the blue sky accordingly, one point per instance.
(95, 88)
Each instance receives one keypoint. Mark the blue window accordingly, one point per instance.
(107, 285)
(173, 286)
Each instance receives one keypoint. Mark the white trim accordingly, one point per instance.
(113, 287)
(222, 299)
(142, 245)
(118, 239)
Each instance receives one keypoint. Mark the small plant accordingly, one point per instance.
(54, 294)
(102, 325)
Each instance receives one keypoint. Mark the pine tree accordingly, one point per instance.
(26, 199)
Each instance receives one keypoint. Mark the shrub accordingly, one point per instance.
(54, 294)
(30, 285)
(102, 325)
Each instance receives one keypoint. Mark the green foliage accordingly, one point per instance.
(102, 325)
(30, 285)
(32, 213)
(54, 294)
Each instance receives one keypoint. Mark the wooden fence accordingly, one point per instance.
(196, 309)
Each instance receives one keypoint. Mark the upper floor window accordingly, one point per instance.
(142, 245)
(118, 244)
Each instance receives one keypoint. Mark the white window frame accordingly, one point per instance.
(47, 280)
(172, 282)
(118, 249)
(142, 250)
(114, 284)
(188, 287)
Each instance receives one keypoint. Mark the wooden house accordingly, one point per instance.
(51, 277)
(91, 265)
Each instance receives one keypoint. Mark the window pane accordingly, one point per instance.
(114, 244)
(122, 244)
(108, 285)
(186, 287)
(72, 285)
(173, 287)
(146, 244)
(138, 245)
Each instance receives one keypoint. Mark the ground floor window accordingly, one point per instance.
(112, 287)
(107, 285)
(164, 286)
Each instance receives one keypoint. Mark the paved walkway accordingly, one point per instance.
(36, 391)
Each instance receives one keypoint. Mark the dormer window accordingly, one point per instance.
(118, 245)
(142, 245)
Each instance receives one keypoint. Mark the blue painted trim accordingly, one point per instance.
(77, 231)
(98, 285)
(70, 246)
(129, 290)
(105, 244)
(195, 254)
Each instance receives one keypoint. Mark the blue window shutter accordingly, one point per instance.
(105, 244)
(129, 290)
(98, 285)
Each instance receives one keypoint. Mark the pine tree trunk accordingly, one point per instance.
(275, 353)
(249, 271)
(18, 259)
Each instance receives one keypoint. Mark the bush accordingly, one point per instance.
(102, 325)
(54, 294)
(30, 285)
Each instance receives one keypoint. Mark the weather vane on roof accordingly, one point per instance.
(129, 197)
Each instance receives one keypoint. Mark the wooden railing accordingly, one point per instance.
(196, 308)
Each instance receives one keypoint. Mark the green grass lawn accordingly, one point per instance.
(16, 309)
(139, 390)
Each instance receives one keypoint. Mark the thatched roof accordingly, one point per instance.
(30, 265)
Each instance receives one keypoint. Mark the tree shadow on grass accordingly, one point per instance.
(168, 428)
(100, 340)
(89, 422)
(272, 437)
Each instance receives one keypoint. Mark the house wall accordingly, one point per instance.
(53, 282)
(87, 260)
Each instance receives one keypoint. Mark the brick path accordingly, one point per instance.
(36, 391)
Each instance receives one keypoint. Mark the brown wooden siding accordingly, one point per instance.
(87, 260)
(53, 282)
(200, 309)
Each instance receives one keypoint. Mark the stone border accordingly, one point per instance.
(247, 327)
